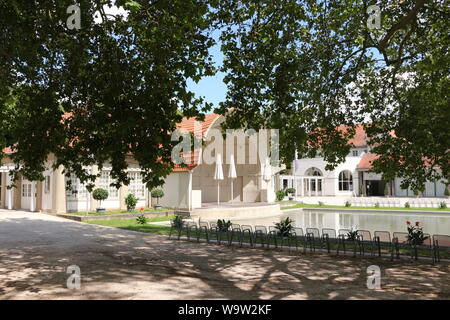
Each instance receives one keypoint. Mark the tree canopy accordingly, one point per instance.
(304, 67)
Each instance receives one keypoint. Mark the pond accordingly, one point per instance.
(432, 223)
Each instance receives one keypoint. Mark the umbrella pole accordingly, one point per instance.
(232, 191)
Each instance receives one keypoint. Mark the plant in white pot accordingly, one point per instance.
(157, 193)
(291, 193)
(100, 194)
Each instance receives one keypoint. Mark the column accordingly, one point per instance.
(9, 191)
(59, 192)
(317, 187)
(309, 186)
(33, 196)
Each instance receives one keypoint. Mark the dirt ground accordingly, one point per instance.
(36, 249)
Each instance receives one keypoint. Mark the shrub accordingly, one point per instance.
(386, 190)
(280, 195)
(443, 205)
(321, 203)
(415, 234)
(407, 205)
(141, 219)
(447, 191)
(284, 227)
(377, 205)
(348, 203)
(157, 193)
(100, 194)
(178, 222)
(352, 235)
(290, 190)
(223, 225)
(131, 202)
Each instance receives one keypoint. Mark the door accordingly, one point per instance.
(26, 195)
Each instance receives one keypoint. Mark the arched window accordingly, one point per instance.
(345, 181)
(313, 172)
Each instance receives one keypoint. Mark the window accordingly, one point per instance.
(313, 172)
(26, 190)
(345, 181)
(137, 187)
(105, 183)
(355, 153)
(78, 190)
(47, 184)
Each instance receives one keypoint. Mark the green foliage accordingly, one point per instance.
(100, 194)
(407, 205)
(280, 194)
(352, 235)
(124, 83)
(442, 205)
(290, 190)
(295, 65)
(157, 193)
(447, 191)
(348, 203)
(178, 222)
(415, 236)
(377, 205)
(321, 203)
(386, 189)
(131, 201)
(223, 225)
(141, 219)
(284, 227)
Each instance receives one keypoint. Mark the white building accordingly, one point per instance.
(350, 178)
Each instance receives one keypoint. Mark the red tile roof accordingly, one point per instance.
(360, 138)
(187, 124)
(366, 161)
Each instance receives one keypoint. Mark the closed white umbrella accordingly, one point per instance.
(218, 174)
(232, 174)
(267, 172)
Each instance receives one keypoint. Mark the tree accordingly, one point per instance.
(101, 93)
(307, 67)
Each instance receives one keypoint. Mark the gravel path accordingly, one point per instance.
(36, 249)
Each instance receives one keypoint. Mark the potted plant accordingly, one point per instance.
(361, 190)
(157, 193)
(100, 194)
(284, 227)
(415, 236)
(131, 202)
(291, 193)
(280, 195)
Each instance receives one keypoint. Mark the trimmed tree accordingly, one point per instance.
(100, 194)
(157, 193)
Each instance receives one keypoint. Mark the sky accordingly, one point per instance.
(213, 89)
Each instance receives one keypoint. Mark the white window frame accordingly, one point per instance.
(79, 190)
(105, 183)
(343, 180)
(355, 153)
(136, 187)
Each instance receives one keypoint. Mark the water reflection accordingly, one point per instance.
(391, 221)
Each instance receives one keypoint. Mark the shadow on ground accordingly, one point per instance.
(118, 264)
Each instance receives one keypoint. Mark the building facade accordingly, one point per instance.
(187, 187)
(350, 178)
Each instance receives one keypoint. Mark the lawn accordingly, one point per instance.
(306, 205)
(131, 224)
(116, 211)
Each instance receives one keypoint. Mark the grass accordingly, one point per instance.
(305, 205)
(131, 224)
(116, 211)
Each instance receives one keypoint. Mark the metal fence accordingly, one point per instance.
(362, 242)
(395, 203)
